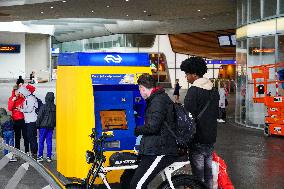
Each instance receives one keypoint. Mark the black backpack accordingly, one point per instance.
(39, 104)
(185, 125)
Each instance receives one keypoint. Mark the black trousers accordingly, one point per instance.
(32, 137)
(222, 113)
(20, 130)
(200, 157)
(148, 168)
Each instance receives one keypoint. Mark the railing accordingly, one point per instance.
(53, 182)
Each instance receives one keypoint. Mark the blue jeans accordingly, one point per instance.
(200, 157)
(8, 137)
(45, 134)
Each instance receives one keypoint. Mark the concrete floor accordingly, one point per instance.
(254, 161)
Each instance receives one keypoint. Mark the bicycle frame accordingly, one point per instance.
(98, 170)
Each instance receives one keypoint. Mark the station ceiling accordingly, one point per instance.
(81, 19)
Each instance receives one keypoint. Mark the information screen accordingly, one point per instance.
(4, 48)
(113, 120)
(224, 40)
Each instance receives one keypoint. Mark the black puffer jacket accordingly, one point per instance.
(195, 100)
(156, 139)
(47, 114)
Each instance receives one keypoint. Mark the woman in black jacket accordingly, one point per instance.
(46, 122)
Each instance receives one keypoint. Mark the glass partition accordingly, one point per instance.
(269, 8)
(281, 6)
(265, 46)
(239, 13)
(241, 81)
(254, 10)
(280, 60)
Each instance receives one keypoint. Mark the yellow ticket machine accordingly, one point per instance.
(92, 89)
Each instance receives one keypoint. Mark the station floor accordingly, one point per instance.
(254, 161)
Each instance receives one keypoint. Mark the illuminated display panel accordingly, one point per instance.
(4, 48)
(113, 119)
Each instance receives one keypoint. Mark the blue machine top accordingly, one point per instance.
(103, 59)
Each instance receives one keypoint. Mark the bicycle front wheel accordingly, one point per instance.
(183, 182)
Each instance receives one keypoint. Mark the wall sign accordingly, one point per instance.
(103, 59)
(112, 79)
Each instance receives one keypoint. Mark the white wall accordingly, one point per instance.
(12, 64)
(38, 55)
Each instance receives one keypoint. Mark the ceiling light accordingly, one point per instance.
(51, 7)
(92, 11)
(127, 15)
(144, 11)
(108, 6)
(203, 18)
(41, 12)
(198, 10)
(126, 0)
(63, 1)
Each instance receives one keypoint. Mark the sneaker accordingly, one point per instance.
(222, 121)
(218, 120)
(34, 156)
(39, 159)
(13, 159)
(48, 159)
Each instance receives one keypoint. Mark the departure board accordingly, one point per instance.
(6, 48)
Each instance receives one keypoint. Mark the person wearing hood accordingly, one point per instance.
(7, 130)
(46, 122)
(29, 109)
(20, 81)
(31, 88)
(198, 95)
(14, 103)
(158, 148)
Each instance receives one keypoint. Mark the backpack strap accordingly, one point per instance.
(206, 106)
(165, 122)
(171, 131)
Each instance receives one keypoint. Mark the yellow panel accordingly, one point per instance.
(76, 117)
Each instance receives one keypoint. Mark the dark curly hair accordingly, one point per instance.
(147, 81)
(194, 65)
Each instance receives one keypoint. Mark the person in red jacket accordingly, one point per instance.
(14, 104)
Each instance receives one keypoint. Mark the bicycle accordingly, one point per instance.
(97, 158)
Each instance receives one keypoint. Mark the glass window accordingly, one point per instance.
(239, 12)
(268, 50)
(255, 113)
(254, 52)
(280, 48)
(280, 58)
(281, 6)
(254, 10)
(269, 8)
(268, 57)
(261, 51)
(245, 11)
(241, 82)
